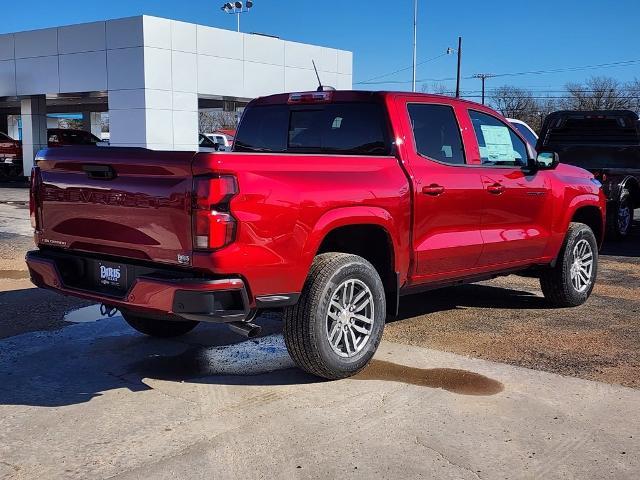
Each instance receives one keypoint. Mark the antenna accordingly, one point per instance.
(320, 87)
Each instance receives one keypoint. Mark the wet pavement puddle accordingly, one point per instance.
(85, 315)
(269, 354)
(462, 382)
(249, 358)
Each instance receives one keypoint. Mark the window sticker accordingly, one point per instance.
(498, 145)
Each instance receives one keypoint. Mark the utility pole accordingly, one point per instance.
(415, 42)
(483, 77)
(459, 65)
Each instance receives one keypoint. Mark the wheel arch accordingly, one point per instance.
(591, 216)
(365, 231)
(633, 185)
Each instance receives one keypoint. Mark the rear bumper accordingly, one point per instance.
(205, 300)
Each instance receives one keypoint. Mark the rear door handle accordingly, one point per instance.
(496, 189)
(434, 190)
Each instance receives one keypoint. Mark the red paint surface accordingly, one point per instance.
(445, 222)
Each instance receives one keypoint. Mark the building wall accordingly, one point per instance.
(154, 70)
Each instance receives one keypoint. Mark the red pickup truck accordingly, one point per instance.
(10, 157)
(333, 205)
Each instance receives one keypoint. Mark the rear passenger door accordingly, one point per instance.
(447, 193)
(517, 208)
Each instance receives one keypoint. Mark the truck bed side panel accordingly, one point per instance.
(288, 202)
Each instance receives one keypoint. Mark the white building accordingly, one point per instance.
(151, 74)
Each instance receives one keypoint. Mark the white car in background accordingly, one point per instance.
(525, 130)
(221, 140)
(207, 145)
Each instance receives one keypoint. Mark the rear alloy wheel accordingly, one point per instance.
(569, 283)
(350, 318)
(335, 328)
(159, 328)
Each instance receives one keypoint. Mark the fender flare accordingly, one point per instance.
(349, 216)
(578, 202)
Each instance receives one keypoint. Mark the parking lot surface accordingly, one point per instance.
(447, 396)
(96, 400)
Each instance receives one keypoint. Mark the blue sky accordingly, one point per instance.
(500, 36)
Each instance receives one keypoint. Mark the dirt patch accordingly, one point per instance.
(507, 320)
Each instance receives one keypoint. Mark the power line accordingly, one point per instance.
(626, 63)
(402, 70)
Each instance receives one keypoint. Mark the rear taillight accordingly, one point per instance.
(34, 186)
(213, 225)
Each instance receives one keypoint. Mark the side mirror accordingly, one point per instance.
(547, 160)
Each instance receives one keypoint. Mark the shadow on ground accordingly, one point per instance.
(629, 247)
(82, 361)
(465, 296)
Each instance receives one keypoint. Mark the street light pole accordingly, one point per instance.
(415, 42)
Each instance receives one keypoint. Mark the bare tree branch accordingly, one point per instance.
(598, 93)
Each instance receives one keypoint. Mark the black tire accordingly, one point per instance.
(306, 324)
(159, 328)
(621, 217)
(556, 282)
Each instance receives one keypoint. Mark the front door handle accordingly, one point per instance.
(434, 190)
(495, 189)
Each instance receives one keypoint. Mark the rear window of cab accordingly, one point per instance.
(354, 128)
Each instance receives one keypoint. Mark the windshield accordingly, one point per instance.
(340, 128)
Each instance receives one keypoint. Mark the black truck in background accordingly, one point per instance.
(607, 143)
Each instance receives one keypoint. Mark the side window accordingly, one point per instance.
(437, 133)
(499, 145)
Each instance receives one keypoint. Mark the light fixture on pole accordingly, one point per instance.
(237, 8)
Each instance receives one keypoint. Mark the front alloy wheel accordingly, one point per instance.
(570, 281)
(582, 267)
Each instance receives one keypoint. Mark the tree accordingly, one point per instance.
(514, 102)
(634, 94)
(598, 93)
(212, 120)
(437, 88)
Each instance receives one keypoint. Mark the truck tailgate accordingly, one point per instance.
(125, 202)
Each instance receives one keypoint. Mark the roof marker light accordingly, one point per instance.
(310, 97)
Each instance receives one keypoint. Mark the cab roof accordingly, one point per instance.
(358, 96)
